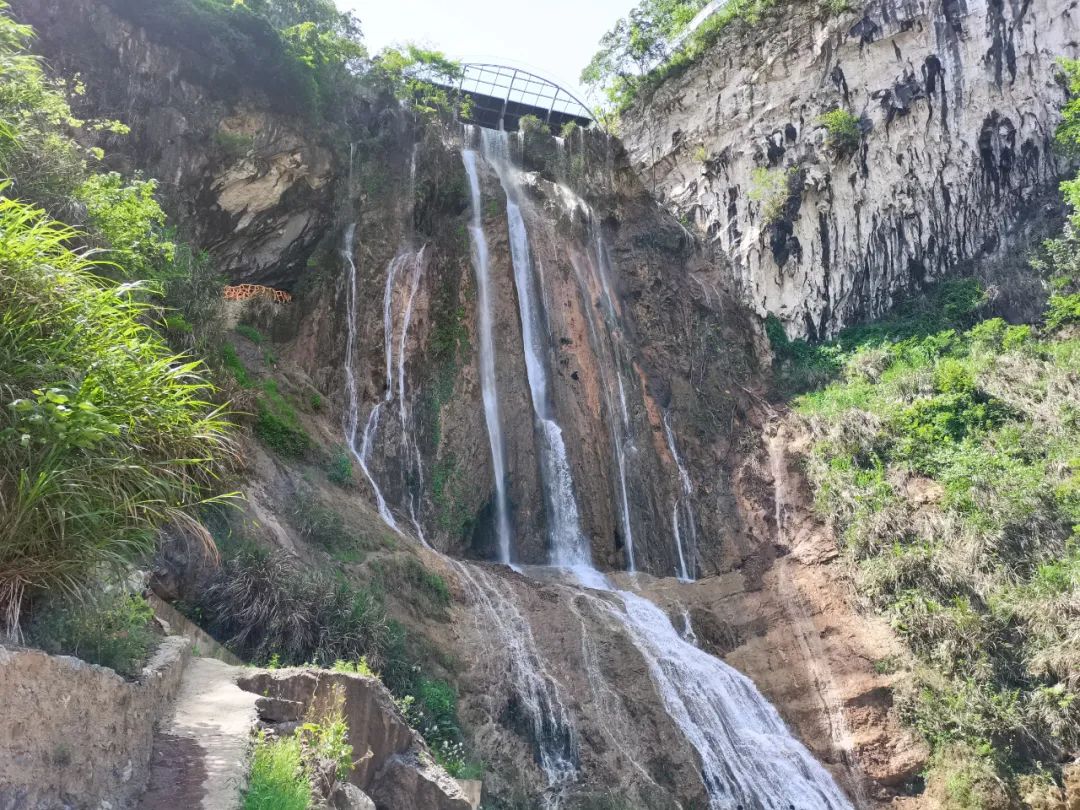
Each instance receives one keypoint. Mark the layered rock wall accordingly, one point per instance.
(957, 101)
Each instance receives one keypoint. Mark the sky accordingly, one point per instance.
(554, 38)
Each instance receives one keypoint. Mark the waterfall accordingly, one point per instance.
(748, 757)
(408, 442)
(352, 393)
(684, 506)
(487, 357)
(405, 259)
(537, 692)
(567, 543)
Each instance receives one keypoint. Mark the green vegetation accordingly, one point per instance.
(277, 424)
(947, 461)
(232, 363)
(106, 436)
(419, 76)
(945, 455)
(112, 629)
(432, 711)
(278, 778)
(264, 603)
(427, 592)
(843, 131)
(640, 52)
(340, 471)
(449, 492)
(325, 528)
(299, 54)
(772, 189)
(251, 333)
(531, 125)
(268, 607)
(301, 771)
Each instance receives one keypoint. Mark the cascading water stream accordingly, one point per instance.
(749, 759)
(537, 692)
(352, 393)
(568, 548)
(684, 507)
(595, 285)
(408, 263)
(408, 442)
(487, 356)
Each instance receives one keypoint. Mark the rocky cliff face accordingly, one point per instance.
(648, 353)
(957, 100)
(252, 185)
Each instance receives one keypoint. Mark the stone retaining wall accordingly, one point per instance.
(76, 735)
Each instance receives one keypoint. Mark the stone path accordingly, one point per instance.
(201, 754)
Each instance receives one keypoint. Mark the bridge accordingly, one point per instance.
(503, 95)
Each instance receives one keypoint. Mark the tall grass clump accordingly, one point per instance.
(279, 778)
(265, 603)
(106, 435)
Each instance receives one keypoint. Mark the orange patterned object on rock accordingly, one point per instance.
(245, 292)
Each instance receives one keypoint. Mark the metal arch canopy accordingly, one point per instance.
(503, 94)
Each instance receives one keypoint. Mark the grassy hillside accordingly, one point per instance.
(946, 455)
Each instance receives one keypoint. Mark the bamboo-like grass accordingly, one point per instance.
(106, 435)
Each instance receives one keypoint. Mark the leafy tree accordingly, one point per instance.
(637, 44)
(128, 221)
(420, 77)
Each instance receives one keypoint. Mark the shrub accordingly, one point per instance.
(843, 131)
(128, 222)
(531, 125)
(340, 471)
(325, 745)
(772, 189)
(112, 629)
(107, 436)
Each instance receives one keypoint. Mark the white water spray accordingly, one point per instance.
(352, 394)
(568, 548)
(537, 692)
(487, 357)
(684, 507)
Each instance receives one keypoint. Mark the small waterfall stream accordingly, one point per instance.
(489, 389)
(352, 393)
(567, 546)
(683, 511)
(537, 692)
